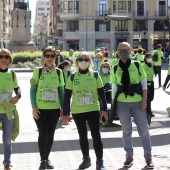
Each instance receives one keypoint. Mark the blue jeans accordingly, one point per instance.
(125, 112)
(7, 135)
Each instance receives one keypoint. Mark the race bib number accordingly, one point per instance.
(49, 94)
(84, 99)
(5, 96)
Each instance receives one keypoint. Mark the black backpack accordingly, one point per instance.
(155, 57)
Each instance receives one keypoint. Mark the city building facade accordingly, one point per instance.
(5, 22)
(80, 23)
(42, 23)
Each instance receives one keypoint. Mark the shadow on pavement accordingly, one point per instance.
(72, 145)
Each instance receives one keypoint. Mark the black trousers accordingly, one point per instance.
(159, 74)
(46, 125)
(92, 118)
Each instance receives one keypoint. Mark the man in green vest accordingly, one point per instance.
(158, 63)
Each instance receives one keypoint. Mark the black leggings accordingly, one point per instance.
(159, 74)
(92, 119)
(46, 125)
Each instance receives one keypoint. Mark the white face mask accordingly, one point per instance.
(83, 65)
(105, 70)
(149, 60)
(69, 68)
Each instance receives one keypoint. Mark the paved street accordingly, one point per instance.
(66, 152)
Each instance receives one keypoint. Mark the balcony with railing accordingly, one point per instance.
(102, 12)
(143, 13)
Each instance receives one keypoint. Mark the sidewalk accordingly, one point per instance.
(66, 152)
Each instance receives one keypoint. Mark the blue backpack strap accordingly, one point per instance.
(72, 76)
(96, 74)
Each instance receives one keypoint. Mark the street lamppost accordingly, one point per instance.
(106, 16)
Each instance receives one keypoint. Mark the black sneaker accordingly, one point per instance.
(42, 165)
(99, 165)
(49, 165)
(149, 163)
(86, 162)
(128, 162)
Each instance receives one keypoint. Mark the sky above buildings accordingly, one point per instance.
(32, 6)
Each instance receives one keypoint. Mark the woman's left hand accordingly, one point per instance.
(105, 115)
(143, 104)
(14, 100)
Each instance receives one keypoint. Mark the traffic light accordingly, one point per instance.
(56, 41)
(106, 18)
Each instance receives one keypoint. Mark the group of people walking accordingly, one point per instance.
(59, 92)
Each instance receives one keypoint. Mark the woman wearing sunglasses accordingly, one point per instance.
(85, 88)
(46, 94)
(8, 84)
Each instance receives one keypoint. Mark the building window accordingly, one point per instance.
(121, 25)
(158, 26)
(76, 6)
(114, 7)
(102, 26)
(102, 9)
(142, 24)
(61, 7)
(129, 7)
(65, 7)
(121, 6)
(140, 8)
(41, 9)
(162, 8)
(72, 26)
(70, 6)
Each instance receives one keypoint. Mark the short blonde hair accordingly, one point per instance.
(99, 54)
(84, 53)
(122, 44)
(8, 53)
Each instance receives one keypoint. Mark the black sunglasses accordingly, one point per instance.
(4, 56)
(83, 59)
(51, 56)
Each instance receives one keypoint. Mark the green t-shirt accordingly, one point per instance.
(114, 62)
(100, 64)
(135, 78)
(160, 55)
(73, 57)
(84, 90)
(7, 86)
(149, 72)
(139, 57)
(47, 96)
(105, 79)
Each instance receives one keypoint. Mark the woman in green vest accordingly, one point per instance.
(129, 93)
(150, 70)
(46, 94)
(8, 84)
(84, 88)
